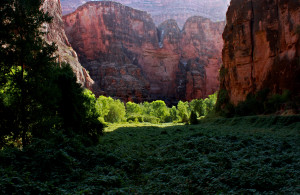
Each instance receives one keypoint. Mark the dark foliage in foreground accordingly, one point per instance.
(239, 155)
(37, 96)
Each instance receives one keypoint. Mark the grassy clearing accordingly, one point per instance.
(114, 126)
(243, 155)
(239, 155)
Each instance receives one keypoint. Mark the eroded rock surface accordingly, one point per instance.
(65, 52)
(172, 64)
(122, 81)
(261, 48)
(201, 45)
(162, 10)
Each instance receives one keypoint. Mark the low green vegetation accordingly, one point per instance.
(229, 156)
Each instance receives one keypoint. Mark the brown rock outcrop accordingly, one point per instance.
(173, 65)
(261, 48)
(162, 10)
(55, 33)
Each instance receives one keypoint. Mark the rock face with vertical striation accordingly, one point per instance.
(262, 48)
(162, 10)
(201, 46)
(168, 63)
(57, 35)
(107, 36)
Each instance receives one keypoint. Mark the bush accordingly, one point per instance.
(135, 118)
(183, 111)
(151, 119)
(103, 105)
(133, 109)
(210, 103)
(110, 110)
(160, 110)
(146, 108)
(116, 112)
(174, 114)
(198, 106)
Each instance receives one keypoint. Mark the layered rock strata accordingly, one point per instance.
(55, 33)
(162, 10)
(262, 48)
(172, 64)
(121, 81)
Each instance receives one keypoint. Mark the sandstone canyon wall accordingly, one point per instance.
(201, 45)
(162, 10)
(130, 58)
(262, 48)
(56, 34)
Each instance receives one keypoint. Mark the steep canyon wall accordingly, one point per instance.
(55, 33)
(130, 58)
(261, 48)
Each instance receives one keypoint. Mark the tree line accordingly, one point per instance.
(114, 111)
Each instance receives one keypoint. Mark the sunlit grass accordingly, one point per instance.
(114, 126)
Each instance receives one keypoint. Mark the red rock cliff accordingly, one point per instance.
(57, 35)
(171, 64)
(162, 10)
(262, 48)
(201, 46)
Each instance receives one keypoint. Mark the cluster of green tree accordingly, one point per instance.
(263, 102)
(112, 111)
(38, 97)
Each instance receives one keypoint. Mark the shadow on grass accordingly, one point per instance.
(240, 155)
(247, 155)
(267, 124)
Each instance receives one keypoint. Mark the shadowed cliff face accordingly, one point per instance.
(166, 63)
(57, 35)
(201, 45)
(261, 48)
(162, 10)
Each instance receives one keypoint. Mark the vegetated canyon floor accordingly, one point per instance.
(256, 154)
(242, 155)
